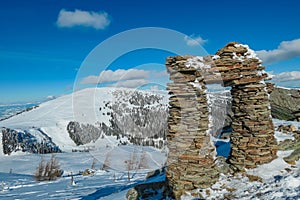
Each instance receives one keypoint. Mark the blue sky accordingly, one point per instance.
(44, 44)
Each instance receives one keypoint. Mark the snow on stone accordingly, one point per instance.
(197, 62)
(196, 85)
(215, 57)
(278, 122)
(250, 53)
(293, 182)
(240, 58)
(280, 179)
(277, 183)
(37, 134)
(269, 170)
(283, 136)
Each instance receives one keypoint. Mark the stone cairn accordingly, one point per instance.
(191, 153)
(252, 140)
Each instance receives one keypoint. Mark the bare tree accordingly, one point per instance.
(49, 171)
(128, 166)
(143, 164)
(54, 171)
(46, 171)
(94, 163)
(2, 185)
(40, 169)
(72, 179)
(131, 163)
(107, 162)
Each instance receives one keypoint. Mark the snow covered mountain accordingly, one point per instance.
(76, 121)
(9, 110)
(81, 118)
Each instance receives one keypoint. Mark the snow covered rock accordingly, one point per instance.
(17, 140)
(285, 103)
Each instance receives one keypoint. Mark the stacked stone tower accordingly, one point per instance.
(252, 140)
(191, 152)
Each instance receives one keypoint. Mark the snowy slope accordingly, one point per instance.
(280, 180)
(88, 106)
(61, 110)
(20, 184)
(1, 146)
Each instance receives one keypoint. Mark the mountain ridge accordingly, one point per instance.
(101, 109)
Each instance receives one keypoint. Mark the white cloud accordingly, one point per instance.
(160, 74)
(131, 83)
(286, 76)
(118, 75)
(285, 51)
(90, 80)
(97, 20)
(289, 84)
(194, 40)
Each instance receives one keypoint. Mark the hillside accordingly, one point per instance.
(285, 103)
(98, 121)
(84, 116)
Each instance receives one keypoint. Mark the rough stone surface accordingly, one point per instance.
(287, 129)
(191, 160)
(191, 154)
(289, 144)
(285, 103)
(150, 191)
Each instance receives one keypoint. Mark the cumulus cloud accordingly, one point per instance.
(160, 74)
(118, 75)
(194, 40)
(286, 79)
(131, 83)
(286, 76)
(68, 19)
(285, 51)
(90, 80)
